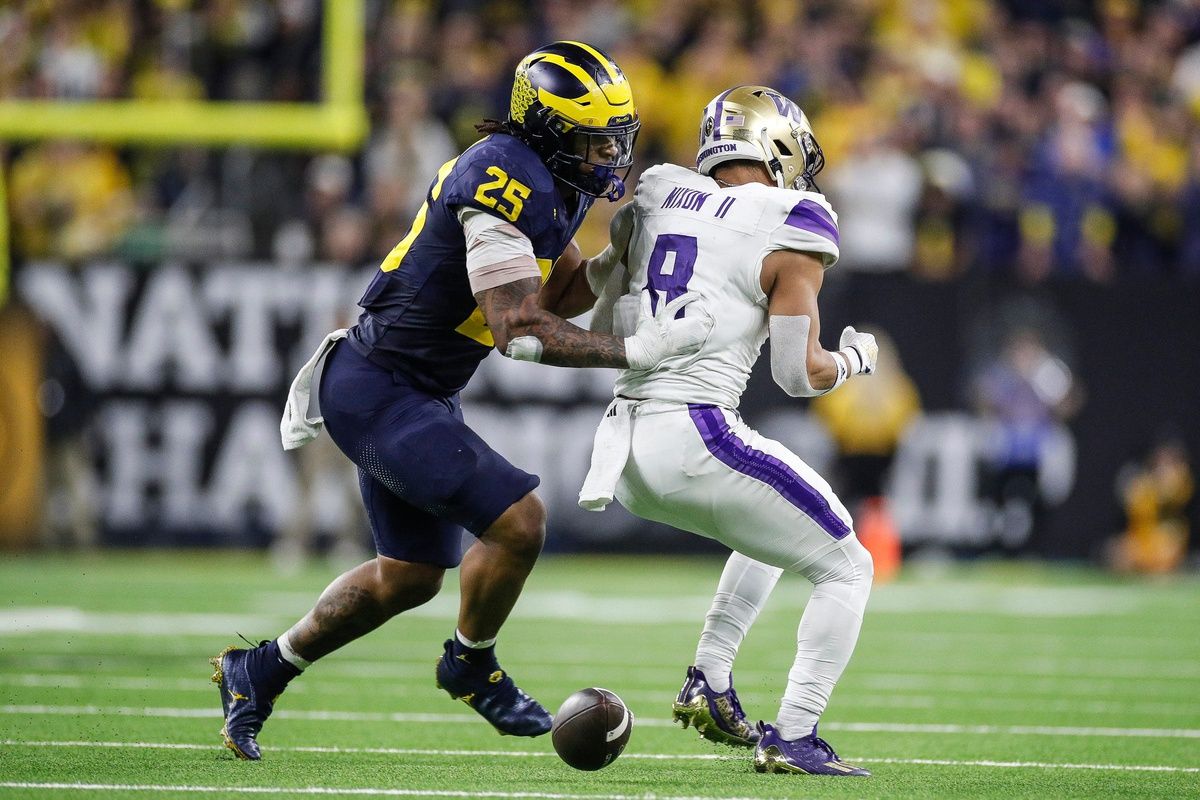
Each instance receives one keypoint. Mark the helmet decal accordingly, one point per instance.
(523, 95)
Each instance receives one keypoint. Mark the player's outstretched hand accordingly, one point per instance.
(660, 336)
(860, 346)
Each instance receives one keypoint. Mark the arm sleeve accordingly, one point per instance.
(497, 253)
(789, 354)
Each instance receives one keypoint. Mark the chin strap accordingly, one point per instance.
(616, 185)
(773, 165)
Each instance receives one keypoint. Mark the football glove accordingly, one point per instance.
(860, 349)
(660, 336)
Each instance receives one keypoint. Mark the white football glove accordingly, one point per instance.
(861, 350)
(660, 336)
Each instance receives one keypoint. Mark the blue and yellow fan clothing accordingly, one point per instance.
(419, 316)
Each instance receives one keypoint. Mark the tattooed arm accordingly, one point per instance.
(512, 310)
(566, 292)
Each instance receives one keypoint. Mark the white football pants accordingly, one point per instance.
(701, 469)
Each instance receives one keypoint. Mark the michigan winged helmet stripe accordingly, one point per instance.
(576, 81)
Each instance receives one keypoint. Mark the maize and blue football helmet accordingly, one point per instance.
(572, 104)
(757, 123)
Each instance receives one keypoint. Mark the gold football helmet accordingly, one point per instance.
(757, 123)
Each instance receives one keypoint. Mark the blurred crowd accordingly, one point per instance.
(1010, 138)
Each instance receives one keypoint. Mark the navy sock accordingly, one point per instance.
(479, 658)
(278, 670)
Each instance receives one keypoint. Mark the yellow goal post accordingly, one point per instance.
(338, 121)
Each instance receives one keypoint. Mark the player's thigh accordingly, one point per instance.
(417, 446)
(403, 532)
(703, 470)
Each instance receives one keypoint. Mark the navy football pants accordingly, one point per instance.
(423, 473)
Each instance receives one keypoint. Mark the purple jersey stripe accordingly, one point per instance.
(809, 216)
(738, 456)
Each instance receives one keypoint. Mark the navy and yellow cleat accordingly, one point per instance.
(249, 682)
(475, 677)
(717, 716)
(810, 755)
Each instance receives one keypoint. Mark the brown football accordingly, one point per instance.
(591, 729)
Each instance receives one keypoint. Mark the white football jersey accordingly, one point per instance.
(692, 235)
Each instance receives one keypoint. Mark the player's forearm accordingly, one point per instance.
(823, 369)
(516, 319)
(567, 345)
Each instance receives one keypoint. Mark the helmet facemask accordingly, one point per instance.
(595, 160)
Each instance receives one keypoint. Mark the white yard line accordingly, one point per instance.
(1063, 673)
(898, 694)
(402, 751)
(565, 604)
(652, 722)
(323, 790)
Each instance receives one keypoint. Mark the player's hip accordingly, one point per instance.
(706, 463)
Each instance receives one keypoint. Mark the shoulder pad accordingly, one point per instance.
(502, 176)
(809, 225)
(656, 181)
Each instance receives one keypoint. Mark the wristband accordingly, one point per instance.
(852, 350)
(843, 371)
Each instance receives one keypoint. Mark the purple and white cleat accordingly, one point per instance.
(809, 755)
(717, 716)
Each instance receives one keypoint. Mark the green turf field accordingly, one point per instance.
(997, 681)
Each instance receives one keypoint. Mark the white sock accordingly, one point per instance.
(465, 642)
(290, 655)
(826, 637)
(742, 592)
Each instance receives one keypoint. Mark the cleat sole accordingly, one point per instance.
(697, 715)
(218, 664)
(230, 744)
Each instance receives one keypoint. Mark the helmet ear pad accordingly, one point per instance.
(543, 131)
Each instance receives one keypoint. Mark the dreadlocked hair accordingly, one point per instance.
(489, 126)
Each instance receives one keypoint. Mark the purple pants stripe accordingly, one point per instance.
(731, 451)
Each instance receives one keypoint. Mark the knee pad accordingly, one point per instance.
(845, 574)
(859, 560)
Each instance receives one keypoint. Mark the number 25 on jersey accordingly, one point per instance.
(506, 195)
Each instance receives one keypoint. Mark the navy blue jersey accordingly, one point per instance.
(419, 316)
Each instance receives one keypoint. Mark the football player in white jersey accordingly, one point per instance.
(750, 234)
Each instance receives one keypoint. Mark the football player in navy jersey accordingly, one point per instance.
(464, 280)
